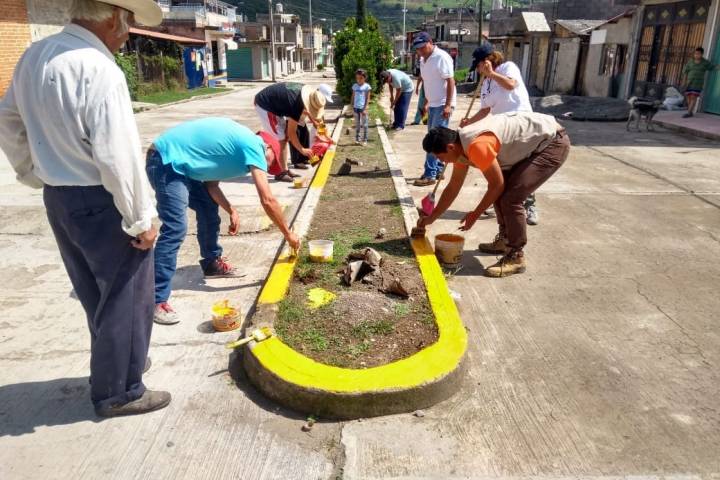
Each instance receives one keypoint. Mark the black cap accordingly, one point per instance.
(420, 39)
(481, 53)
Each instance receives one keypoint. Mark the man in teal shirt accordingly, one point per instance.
(401, 90)
(694, 72)
(185, 165)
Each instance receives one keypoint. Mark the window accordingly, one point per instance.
(607, 60)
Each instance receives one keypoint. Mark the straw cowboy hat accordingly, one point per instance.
(146, 12)
(314, 101)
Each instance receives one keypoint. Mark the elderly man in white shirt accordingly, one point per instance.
(67, 126)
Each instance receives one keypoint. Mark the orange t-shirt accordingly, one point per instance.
(483, 150)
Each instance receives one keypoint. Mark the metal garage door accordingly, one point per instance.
(239, 64)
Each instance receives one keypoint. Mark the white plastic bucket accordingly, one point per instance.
(321, 251)
(449, 249)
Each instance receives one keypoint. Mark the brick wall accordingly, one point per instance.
(14, 38)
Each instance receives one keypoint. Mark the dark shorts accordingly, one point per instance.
(693, 92)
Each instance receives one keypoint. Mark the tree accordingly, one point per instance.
(361, 14)
(363, 48)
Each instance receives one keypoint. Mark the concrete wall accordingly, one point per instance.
(563, 77)
(14, 38)
(596, 85)
(47, 17)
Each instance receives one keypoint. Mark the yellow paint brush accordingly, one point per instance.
(258, 335)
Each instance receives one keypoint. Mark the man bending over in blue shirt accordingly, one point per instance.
(185, 165)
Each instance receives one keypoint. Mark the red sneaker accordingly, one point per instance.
(165, 315)
(220, 268)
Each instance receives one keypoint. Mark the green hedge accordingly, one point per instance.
(128, 65)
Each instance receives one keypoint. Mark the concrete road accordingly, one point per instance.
(601, 361)
(213, 428)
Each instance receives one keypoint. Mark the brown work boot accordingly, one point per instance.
(150, 401)
(510, 264)
(497, 247)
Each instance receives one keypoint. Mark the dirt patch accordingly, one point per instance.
(363, 327)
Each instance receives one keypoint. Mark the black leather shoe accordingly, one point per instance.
(150, 401)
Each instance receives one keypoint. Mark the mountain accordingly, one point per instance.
(388, 12)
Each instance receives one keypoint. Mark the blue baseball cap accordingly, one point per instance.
(421, 39)
(481, 53)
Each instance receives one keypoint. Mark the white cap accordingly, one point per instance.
(326, 90)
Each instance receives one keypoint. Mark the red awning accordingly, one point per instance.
(166, 36)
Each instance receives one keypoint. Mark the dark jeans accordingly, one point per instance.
(433, 165)
(521, 181)
(174, 194)
(113, 282)
(401, 110)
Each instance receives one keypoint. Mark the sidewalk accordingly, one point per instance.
(601, 361)
(213, 428)
(704, 125)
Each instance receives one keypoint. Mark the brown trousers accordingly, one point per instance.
(521, 181)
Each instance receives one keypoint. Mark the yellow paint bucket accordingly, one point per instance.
(224, 317)
(321, 251)
(449, 249)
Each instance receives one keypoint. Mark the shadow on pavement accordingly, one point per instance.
(62, 401)
(190, 278)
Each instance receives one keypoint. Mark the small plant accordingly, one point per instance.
(316, 339)
(320, 67)
(366, 329)
(290, 311)
(401, 309)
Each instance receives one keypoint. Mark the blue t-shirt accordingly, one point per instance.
(401, 80)
(360, 94)
(211, 149)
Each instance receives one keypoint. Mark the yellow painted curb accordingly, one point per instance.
(425, 367)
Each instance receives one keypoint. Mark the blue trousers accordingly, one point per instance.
(361, 124)
(174, 194)
(401, 109)
(113, 282)
(433, 166)
(421, 103)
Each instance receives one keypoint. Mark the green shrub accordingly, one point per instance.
(148, 88)
(461, 74)
(360, 48)
(173, 84)
(128, 65)
(320, 67)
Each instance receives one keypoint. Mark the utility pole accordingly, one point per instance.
(404, 52)
(272, 40)
(312, 38)
(480, 22)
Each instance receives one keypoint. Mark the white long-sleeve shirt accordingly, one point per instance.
(67, 120)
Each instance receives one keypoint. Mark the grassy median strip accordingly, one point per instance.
(362, 327)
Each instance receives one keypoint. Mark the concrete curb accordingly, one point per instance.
(687, 130)
(302, 384)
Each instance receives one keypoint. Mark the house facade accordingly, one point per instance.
(666, 34)
(550, 41)
(288, 40)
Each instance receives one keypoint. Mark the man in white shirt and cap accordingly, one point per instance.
(67, 126)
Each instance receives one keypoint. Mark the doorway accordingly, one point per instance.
(712, 92)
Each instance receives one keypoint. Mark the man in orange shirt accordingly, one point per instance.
(517, 153)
